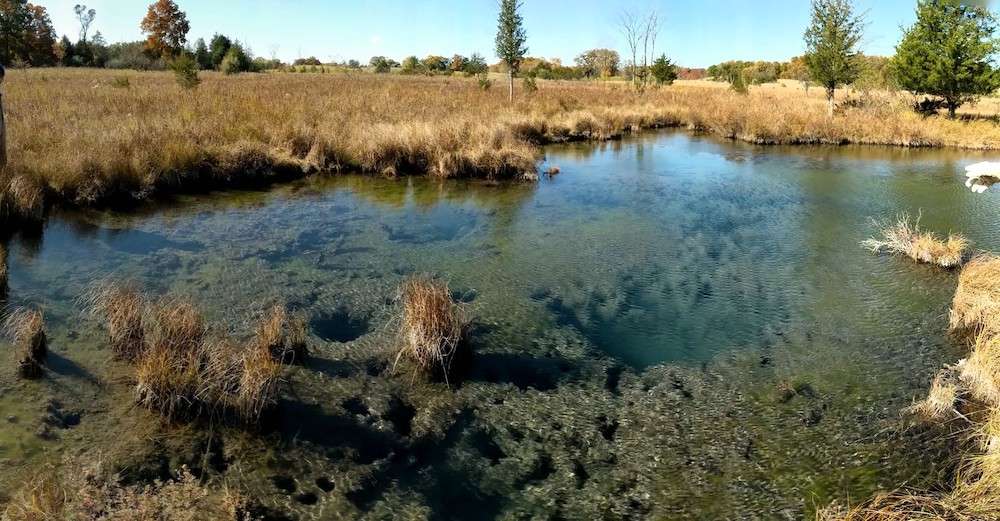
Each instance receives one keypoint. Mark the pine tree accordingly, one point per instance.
(663, 70)
(510, 39)
(948, 52)
(831, 45)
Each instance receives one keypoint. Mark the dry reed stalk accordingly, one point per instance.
(941, 404)
(902, 238)
(27, 328)
(270, 331)
(977, 298)
(171, 381)
(179, 325)
(434, 332)
(122, 306)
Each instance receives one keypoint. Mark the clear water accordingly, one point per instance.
(638, 316)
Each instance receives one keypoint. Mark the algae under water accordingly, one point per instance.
(674, 327)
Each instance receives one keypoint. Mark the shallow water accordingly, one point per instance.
(638, 317)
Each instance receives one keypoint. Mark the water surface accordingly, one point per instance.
(674, 326)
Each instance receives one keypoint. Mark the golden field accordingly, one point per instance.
(84, 136)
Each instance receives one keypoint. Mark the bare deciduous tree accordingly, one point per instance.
(630, 26)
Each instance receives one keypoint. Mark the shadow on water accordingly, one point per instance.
(339, 326)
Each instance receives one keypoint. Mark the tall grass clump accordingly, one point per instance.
(121, 306)
(900, 237)
(434, 332)
(181, 371)
(26, 328)
(283, 335)
(977, 299)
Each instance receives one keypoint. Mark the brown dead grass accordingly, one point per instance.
(900, 237)
(26, 327)
(977, 299)
(73, 490)
(75, 138)
(434, 332)
(4, 285)
(121, 307)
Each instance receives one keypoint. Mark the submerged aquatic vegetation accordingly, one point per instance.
(27, 329)
(902, 238)
(434, 332)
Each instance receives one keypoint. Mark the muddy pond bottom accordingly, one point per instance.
(674, 327)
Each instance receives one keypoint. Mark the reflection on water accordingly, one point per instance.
(736, 266)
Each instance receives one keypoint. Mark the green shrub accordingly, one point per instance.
(235, 61)
(529, 84)
(185, 71)
(484, 81)
(121, 82)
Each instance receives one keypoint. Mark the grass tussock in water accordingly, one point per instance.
(121, 307)
(26, 327)
(77, 491)
(900, 237)
(283, 335)
(106, 143)
(434, 332)
(179, 371)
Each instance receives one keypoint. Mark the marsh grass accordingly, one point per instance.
(900, 237)
(26, 327)
(434, 331)
(121, 306)
(74, 490)
(977, 298)
(181, 372)
(100, 143)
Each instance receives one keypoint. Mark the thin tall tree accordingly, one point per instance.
(511, 39)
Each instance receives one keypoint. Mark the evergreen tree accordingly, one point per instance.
(511, 39)
(663, 70)
(831, 45)
(218, 48)
(201, 54)
(949, 53)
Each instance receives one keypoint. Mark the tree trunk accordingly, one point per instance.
(952, 106)
(829, 102)
(510, 76)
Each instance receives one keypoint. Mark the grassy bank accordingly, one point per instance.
(86, 136)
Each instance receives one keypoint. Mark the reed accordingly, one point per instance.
(977, 299)
(434, 331)
(26, 327)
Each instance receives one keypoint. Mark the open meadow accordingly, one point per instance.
(96, 136)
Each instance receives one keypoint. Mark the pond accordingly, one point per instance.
(672, 327)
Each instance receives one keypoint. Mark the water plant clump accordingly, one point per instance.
(903, 238)
(121, 306)
(434, 333)
(27, 329)
(283, 335)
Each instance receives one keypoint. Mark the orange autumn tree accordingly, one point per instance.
(167, 27)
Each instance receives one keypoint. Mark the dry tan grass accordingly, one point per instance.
(434, 332)
(260, 380)
(977, 298)
(27, 329)
(941, 404)
(77, 491)
(74, 137)
(121, 306)
(903, 238)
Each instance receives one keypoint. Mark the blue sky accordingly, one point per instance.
(697, 33)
